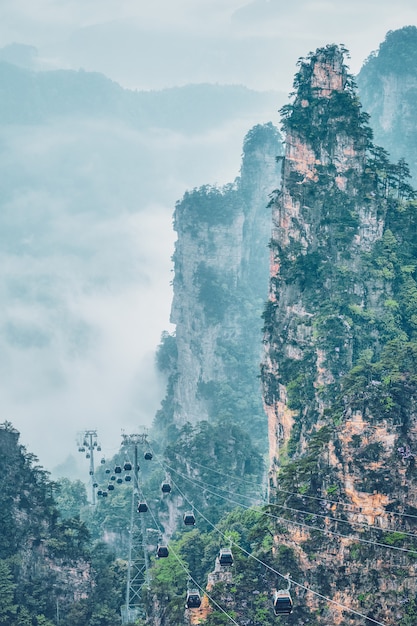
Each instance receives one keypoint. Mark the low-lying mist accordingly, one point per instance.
(86, 245)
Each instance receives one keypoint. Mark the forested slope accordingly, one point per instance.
(50, 568)
(340, 368)
(388, 88)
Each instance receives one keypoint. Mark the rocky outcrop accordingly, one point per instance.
(338, 372)
(322, 166)
(220, 286)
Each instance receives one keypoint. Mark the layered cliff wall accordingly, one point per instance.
(220, 286)
(339, 373)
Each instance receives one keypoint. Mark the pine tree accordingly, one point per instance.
(7, 589)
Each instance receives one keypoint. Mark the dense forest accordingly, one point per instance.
(51, 571)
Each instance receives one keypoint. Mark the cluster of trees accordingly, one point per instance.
(398, 52)
(50, 570)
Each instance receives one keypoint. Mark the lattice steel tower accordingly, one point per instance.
(138, 561)
(88, 443)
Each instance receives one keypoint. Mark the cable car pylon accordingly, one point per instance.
(138, 561)
(88, 443)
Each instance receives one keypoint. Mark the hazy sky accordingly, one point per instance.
(151, 44)
(85, 262)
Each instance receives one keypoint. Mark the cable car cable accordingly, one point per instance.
(321, 498)
(302, 511)
(210, 469)
(343, 521)
(203, 590)
(329, 517)
(322, 530)
(202, 483)
(279, 573)
(188, 573)
(345, 504)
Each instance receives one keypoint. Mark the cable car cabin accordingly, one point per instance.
(193, 600)
(95, 485)
(225, 557)
(148, 455)
(282, 603)
(189, 519)
(110, 488)
(102, 461)
(162, 552)
(128, 478)
(98, 448)
(142, 507)
(127, 466)
(117, 469)
(165, 488)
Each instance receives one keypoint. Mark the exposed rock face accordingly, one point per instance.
(338, 372)
(319, 167)
(220, 286)
(388, 87)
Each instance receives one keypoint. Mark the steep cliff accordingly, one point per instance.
(220, 285)
(388, 89)
(339, 373)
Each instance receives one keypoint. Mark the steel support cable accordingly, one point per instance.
(188, 573)
(342, 521)
(285, 577)
(203, 590)
(321, 498)
(198, 482)
(345, 504)
(210, 469)
(284, 506)
(284, 519)
(202, 483)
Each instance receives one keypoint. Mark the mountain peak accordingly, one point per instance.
(323, 72)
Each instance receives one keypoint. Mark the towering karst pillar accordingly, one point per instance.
(339, 372)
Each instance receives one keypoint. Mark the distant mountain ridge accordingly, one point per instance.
(388, 89)
(30, 97)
